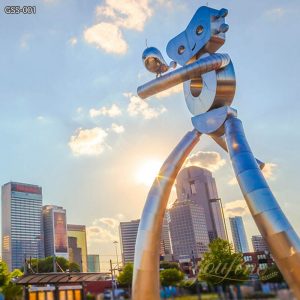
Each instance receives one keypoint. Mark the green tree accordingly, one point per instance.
(12, 291)
(4, 274)
(170, 277)
(169, 265)
(221, 266)
(271, 274)
(125, 277)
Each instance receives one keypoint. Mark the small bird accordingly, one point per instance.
(154, 61)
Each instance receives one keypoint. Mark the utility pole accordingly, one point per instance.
(54, 264)
(116, 248)
(112, 281)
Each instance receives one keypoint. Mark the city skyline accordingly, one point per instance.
(74, 126)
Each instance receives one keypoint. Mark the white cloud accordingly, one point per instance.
(139, 107)
(236, 208)
(98, 234)
(106, 36)
(206, 159)
(88, 141)
(131, 14)
(117, 128)
(73, 41)
(174, 90)
(24, 41)
(276, 12)
(268, 172)
(113, 111)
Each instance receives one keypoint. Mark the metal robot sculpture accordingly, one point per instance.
(209, 86)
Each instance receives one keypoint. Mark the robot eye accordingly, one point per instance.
(181, 49)
(199, 29)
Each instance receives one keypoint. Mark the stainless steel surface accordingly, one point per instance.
(146, 283)
(210, 90)
(212, 122)
(204, 34)
(273, 225)
(193, 70)
(154, 61)
(220, 140)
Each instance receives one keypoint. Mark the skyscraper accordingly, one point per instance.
(55, 231)
(259, 243)
(197, 184)
(189, 235)
(22, 235)
(165, 241)
(78, 232)
(239, 234)
(93, 263)
(128, 234)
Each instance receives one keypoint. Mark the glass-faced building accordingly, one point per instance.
(93, 263)
(77, 243)
(55, 231)
(239, 234)
(22, 230)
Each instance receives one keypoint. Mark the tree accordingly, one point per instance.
(12, 291)
(4, 274)
(170, 277)
(169, 265)
(125, 277)
(221, 266)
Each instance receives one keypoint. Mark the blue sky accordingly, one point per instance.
(71, 121)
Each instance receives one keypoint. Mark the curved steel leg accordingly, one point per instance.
(146, 283)
(273, 225)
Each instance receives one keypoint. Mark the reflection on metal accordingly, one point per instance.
(193, 70)
(273, 225)
(146, 260)
(209, 87)
(154, 61)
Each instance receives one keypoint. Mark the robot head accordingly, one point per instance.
(204, 34)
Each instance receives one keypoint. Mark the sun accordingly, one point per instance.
(147, 171)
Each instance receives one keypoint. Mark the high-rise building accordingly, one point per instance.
(197, 184)
(239, 234)
(55, 231)
(259, 243)
(165, 241)
(128, 234)
(189, 235)
(78, 232)
(93, 263)
(22, 230)
(75, 253)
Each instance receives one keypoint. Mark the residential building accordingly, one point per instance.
(93, 263)
(197, 184)
(258, 261)
(189, 234)
(55, 231)
(239, 234)
(22, 230)
(259, 243)
(78, 232)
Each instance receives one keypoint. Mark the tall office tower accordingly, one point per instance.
(165, 242)
(93, 263)
(189, 235)
(78, 232)
(239, 234)
(197, 184)
(128, 232)
(55, 231)
(259, 244)
(75, 253)
(22, 230)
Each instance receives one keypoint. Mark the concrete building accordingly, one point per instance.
(77, 232)
(165, 242)
(128, 232)
(93, 263)
(239, 234)
(55, 231)
(189, 234)
(258, 261)
(259, 243)
(197, 184)
(22, 230)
